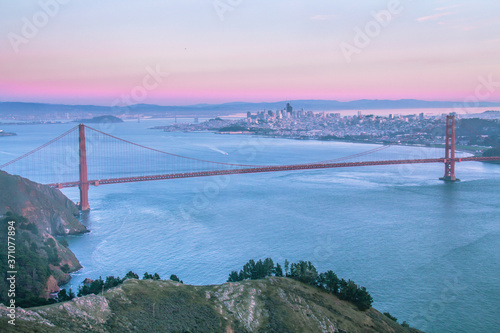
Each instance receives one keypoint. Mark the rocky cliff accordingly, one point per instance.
(270, 305)
(48, 207)
(40, 213)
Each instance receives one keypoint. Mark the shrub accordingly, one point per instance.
(390, 316)
(131, 275)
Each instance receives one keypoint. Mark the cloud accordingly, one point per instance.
(323, 17)
(433, 17)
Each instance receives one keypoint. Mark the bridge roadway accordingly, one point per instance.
(267, 169)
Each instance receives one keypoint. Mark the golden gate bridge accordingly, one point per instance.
(84, 156)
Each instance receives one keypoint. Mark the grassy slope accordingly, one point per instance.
(270, 305)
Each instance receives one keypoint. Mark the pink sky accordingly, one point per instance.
(98, 53)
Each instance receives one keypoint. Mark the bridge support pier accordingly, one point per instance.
(449, 159)
(84, 183)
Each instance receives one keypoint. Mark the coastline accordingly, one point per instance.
(462, 149)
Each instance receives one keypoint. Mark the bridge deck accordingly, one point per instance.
(267, 169)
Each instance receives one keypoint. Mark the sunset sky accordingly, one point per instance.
(101, 52)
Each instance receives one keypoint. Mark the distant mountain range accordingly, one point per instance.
(41, 110)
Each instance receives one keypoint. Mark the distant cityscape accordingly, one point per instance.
(392, 129)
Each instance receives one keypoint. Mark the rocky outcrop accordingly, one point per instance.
(51, 214)
(82, 314)
(269, 305)
(47, 207)
(52, 286)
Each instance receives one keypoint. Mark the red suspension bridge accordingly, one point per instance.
(84, 157)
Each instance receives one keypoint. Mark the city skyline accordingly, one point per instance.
(193, 52)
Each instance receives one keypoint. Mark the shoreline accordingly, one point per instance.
(462, 149)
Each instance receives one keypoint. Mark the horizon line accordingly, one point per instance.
(260, 102)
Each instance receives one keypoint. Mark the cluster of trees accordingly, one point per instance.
(50, 248)
(233, 128)
(63, 295)
(100, 285)
(256, 270)
(304, 271)
(31, 265)
(154, 276)
(492, 152)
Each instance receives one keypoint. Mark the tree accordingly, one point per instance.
(174, 277)
(259, 271)
(95, 287)
(304, 271)
(253, 270)
(268, 267)
(234, 277)
(278, 271)
(364, 300)
(329, 281)
(147, 276)
(342, 294)
(64, 296)
(111, 282)
(131, 275)
(349, 291)
(248, 270)
(287, 267)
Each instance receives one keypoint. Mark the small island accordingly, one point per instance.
(100, 119)
(2, 133)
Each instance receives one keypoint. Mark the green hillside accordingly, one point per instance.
(274, 304)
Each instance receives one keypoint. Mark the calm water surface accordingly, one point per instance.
(427, 251)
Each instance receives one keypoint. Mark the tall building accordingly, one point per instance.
(289, 108)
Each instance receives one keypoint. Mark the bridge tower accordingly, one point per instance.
(84, 184)
(449, 158)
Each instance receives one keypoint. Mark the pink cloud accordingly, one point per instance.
(433, 17)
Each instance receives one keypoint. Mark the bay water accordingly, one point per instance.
(427, 251)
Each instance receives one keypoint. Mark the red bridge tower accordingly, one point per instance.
(84, 183)
(449, 158)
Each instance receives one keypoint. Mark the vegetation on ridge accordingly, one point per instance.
(305, 272)
(274, 304)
